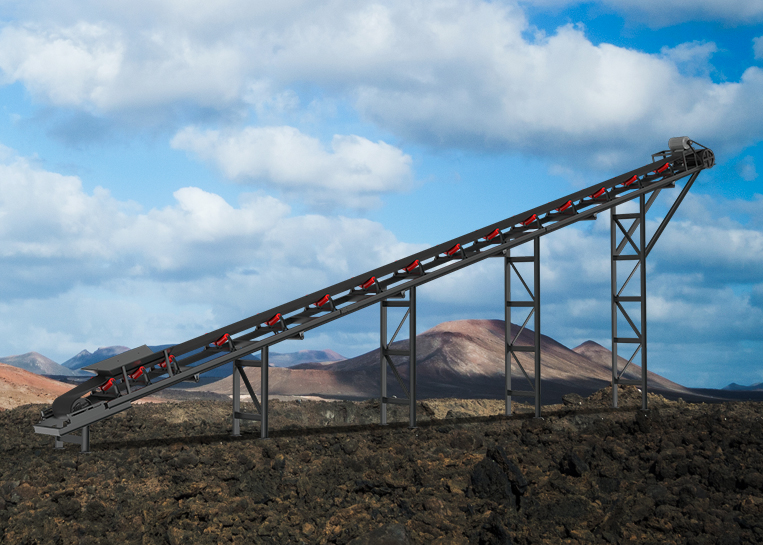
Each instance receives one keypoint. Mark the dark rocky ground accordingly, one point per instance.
(170, 473)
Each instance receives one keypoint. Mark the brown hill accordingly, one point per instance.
(597, 353)
(19, 387)
(461, 359)
(284, 381)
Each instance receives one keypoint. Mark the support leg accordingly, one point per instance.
(507, 333)
(383, 363)
(264, 392)
(642, 213)
(536, 289)
(613, 269)
(85, 447)
(236, 400)
(412, 357)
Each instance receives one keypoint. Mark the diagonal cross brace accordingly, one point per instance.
(249, 388)
(397, 375)
(628, 318)
(670, 213)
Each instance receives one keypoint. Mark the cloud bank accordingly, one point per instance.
(467, 75)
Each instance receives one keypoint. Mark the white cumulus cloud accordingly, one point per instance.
(692, 58)
(68, 66)
(352, 172)
(70, 259)
(105, 68)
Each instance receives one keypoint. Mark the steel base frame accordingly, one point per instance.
(533, 304)
(83, 440)
(386, 353)
(262, 405)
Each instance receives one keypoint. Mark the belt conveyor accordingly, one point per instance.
(122, 379)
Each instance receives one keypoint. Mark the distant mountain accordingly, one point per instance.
(276, 359)
(303, 356)
(739, 388)
(463, 359)
(85, 358)
(39, 364)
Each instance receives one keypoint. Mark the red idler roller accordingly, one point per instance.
(222, 340)
(326, 301)
(135, 375)
(662, 169)
(491, 236)
(454, 249)
(530, 220)
(106, 386)
(412, 266)
(274, 320)
(598, 194)
(368, 283)
(630, 181)
(564, 207)
(163, 364)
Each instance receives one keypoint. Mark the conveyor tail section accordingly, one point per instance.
(141, 372)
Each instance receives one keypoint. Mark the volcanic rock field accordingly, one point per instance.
(329, 473)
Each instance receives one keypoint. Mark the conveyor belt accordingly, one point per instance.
(141, 372)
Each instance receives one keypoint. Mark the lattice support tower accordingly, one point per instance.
(621, 238)
(386, 353)
(533, 304)
(261, 405)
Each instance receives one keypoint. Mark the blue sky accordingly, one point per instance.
(169, 167)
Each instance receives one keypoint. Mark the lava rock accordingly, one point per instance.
(494, 532)
(518, 481)
(572, 465)
(695, 477)
(572, 399)
(753, 479)
(187, 458)
(389, 534)
(69, 507)
(95, 510)
(489, 481)
(350, 447)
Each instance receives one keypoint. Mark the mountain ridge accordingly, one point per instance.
(464, 359)
(35, 362)
(758, 386)
(85, 357)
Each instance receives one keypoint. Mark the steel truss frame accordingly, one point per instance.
(533, 304)
(620, 239)
(386, 353)
(186, 361)
(261, 406)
